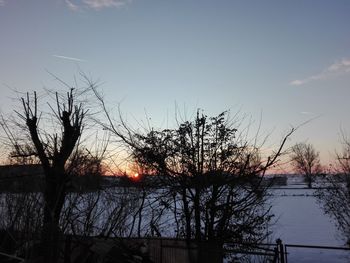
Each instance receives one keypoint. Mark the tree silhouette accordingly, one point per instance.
(306, 161)
(335, 193)
(213, 174)
(216, 175)
(53, 151)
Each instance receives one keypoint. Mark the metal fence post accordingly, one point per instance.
(275, 257)
(280, 249)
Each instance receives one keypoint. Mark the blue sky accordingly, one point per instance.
(286, 60)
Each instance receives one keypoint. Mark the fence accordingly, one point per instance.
(303, 249)
(283, 253)
(166, 250)
(263, 252)
(158, 250)
(169, 250)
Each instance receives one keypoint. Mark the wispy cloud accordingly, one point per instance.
(337, 68)
(72, 6)
(2, 2)
(69, 58)
(99, 4)
(94, 4)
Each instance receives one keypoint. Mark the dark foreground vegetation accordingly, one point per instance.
(201, 182)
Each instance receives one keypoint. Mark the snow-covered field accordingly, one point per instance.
(301, 221)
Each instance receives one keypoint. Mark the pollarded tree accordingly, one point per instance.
(53, 151)
(306, 161)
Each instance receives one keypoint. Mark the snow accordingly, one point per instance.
(301, 221)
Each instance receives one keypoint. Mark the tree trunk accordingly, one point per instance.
(197, 215)
(187, 215)
(54, 197)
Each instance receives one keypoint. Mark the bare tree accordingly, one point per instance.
(53, 151)
(334, 196)
(306, 161)
(212, 173)
(53, 139)
(215, 174)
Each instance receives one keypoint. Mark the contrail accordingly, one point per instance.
(69, 58)
(306, 112)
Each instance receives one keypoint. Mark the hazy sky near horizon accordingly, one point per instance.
(287, 61)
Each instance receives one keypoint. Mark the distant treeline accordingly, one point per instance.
(30, 178)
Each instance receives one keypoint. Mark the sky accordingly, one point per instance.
(282, 63)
